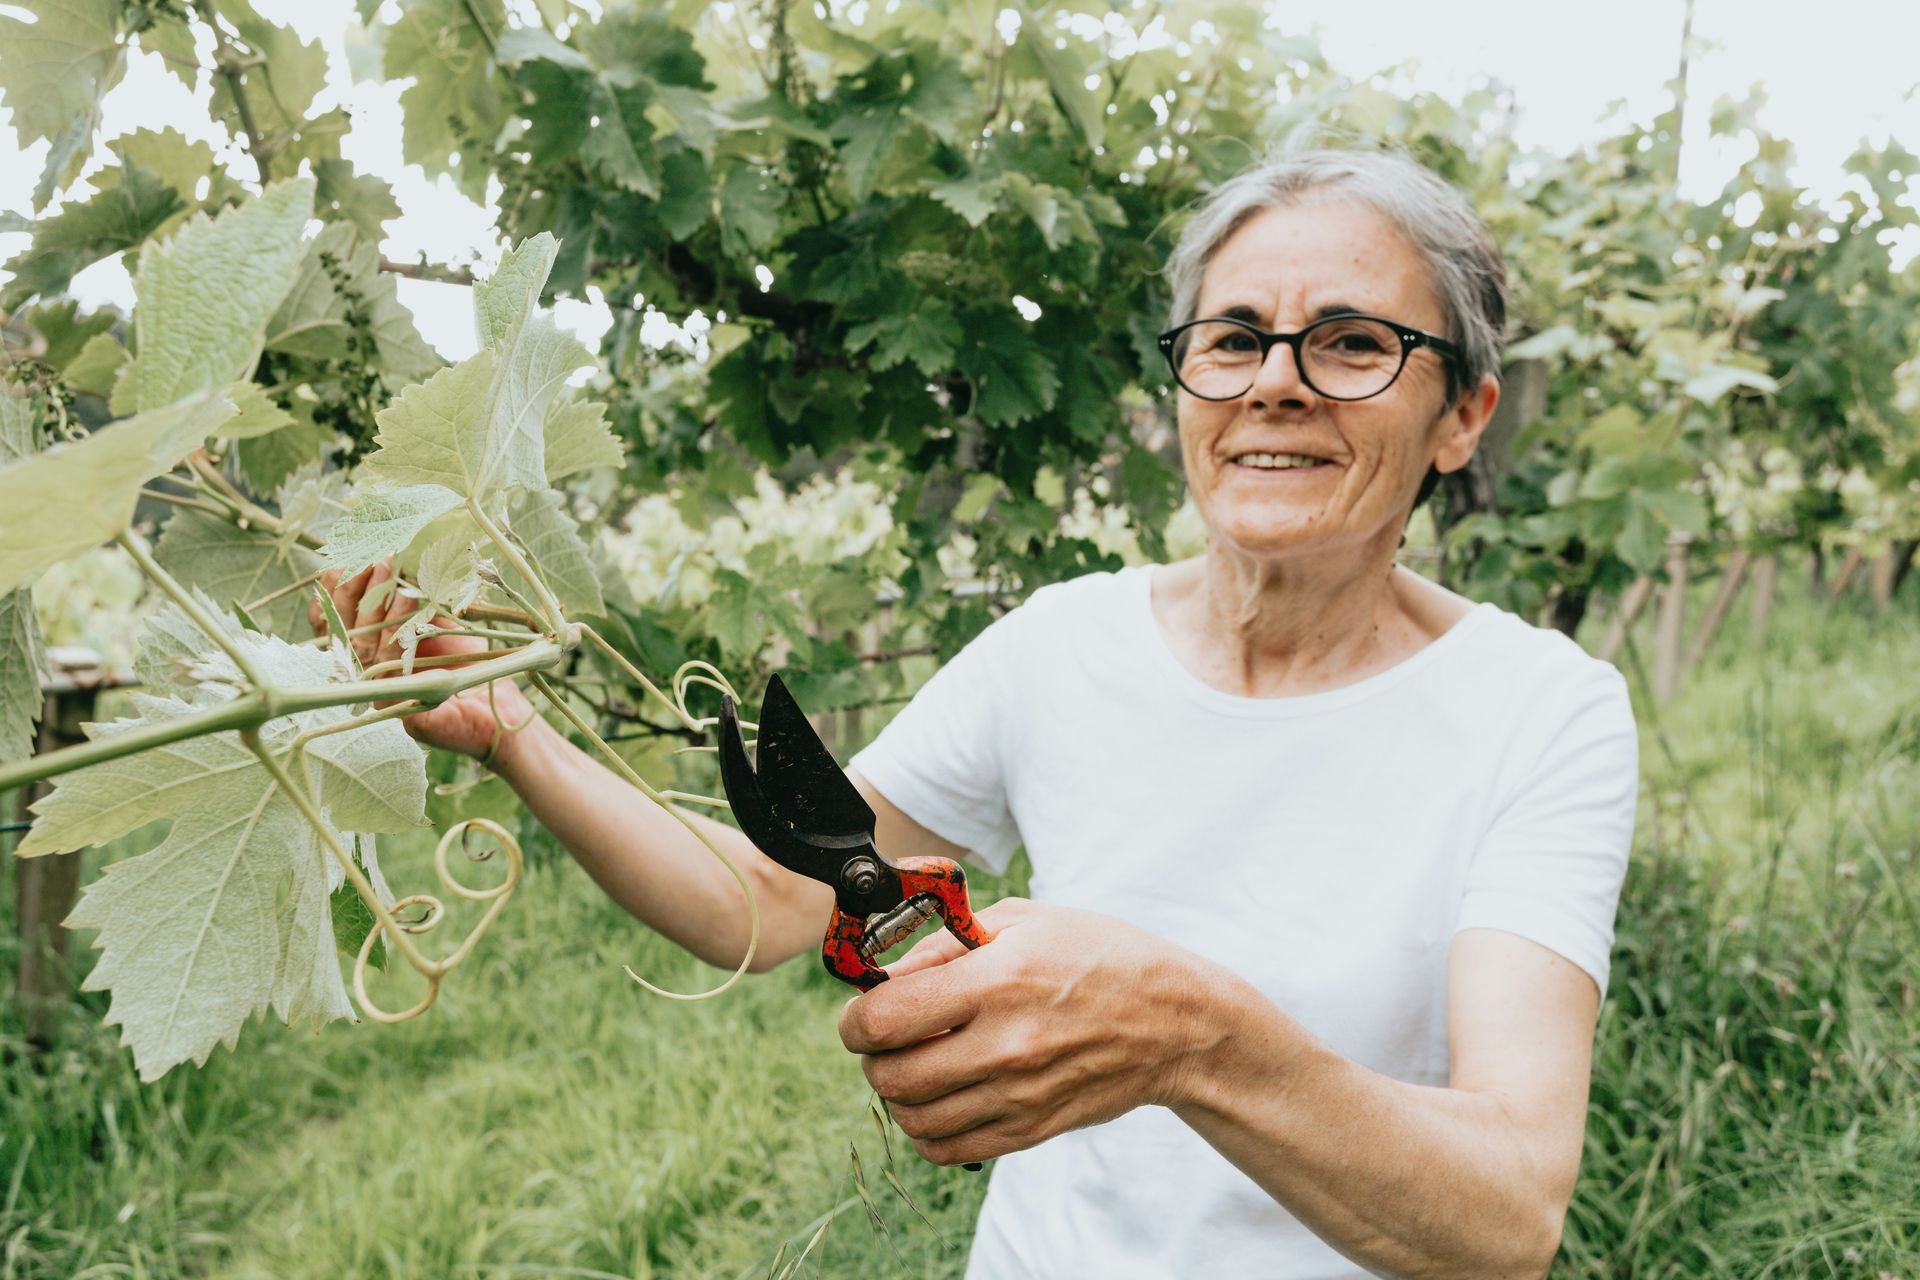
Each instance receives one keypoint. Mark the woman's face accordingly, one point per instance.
(1283, 269)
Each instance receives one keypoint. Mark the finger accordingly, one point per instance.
(935, 949)
(371, 609)
(923, 1072)
(950, 1116)
(989, 1141)
(907, 1010)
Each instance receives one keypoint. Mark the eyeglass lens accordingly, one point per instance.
(1347, 358)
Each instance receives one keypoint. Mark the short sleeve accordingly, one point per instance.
(942, 759)
(1553, 860)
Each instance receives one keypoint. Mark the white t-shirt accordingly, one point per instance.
(1326, 847)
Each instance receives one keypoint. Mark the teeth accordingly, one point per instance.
(1277, 461)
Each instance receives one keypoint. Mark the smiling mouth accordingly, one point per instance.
(1279, 462)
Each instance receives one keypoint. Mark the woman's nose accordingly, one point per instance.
(1279, 379)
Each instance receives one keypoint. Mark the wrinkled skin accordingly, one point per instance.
(1068, 1018)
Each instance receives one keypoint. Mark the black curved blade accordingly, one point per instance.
(802, 784)
(769, 833)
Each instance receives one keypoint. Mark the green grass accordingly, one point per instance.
(1756, 1102)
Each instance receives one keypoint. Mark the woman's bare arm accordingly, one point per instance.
(652, 866)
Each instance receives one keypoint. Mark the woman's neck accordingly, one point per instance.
(1265, 628)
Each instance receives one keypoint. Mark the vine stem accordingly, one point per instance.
(250, 711)
(227, 63)
(311, 812)
(432, 970)
(136, 547)
(563, 634)
(626, 771)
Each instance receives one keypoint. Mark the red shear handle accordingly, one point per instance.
(941, 879)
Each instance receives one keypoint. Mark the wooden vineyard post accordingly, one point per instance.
(1849, 565)
(1766, 581)
(44, 888)
(1673, 617)
(1631, 603)
(1884, 566)
(1730, 583)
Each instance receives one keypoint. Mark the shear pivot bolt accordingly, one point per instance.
(861, 875)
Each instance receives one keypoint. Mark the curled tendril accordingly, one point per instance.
(435, 911)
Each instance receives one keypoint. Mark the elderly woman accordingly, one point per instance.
(1325, 857)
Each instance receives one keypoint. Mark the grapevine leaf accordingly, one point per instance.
(360, 200)
(171, 649)
(270, 459)
(1065, 74)
(238, 566)
(929, 336)
(53, 73)
(447, 575)
(512, 292)
(972, 198)
(434, 431)
(116, 217)
(552, 538)
(21, 661)
(866, 138)
(1011, 383)
(688, 201)
(479, 426)
(742, 613)
(19, 436)
(578, 438)
(178, 162)
(203, 298)
(352, 922)
(339, 288)
(195, 936)
(257, 416)
(98, 363)
(620, 148)
(279, 81)
(65, 330)
(385, 521)
(171, 39)
(76, 496)
(454, 108)
(311, 500)
(749, 211)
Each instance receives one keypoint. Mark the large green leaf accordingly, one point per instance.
(384, 521)
(552, 537)
(454, 109)
(238, 566)
(76, 496)
(198, 934)
(203, 298)
(118, 216)
(53, 73)
(21, 661)
(339, 290)
(480, 426)
(578, 437)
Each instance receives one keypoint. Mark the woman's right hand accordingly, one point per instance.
(464, 722)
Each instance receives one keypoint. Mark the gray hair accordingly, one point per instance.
(1462, 260)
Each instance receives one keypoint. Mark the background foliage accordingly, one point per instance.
(915, 249)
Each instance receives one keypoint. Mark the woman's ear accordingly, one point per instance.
(1462, 424)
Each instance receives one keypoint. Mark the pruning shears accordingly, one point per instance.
(799, 809)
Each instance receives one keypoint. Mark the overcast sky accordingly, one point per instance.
(1835, 73)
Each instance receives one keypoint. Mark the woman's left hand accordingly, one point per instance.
(1067, 1018)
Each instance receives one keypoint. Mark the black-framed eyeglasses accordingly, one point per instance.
(1342, 357)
